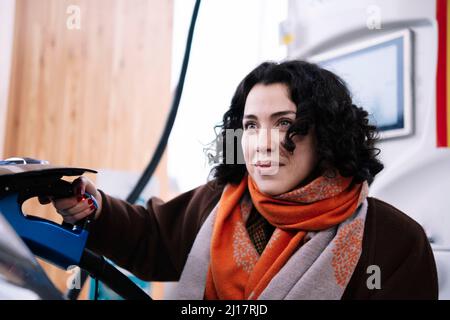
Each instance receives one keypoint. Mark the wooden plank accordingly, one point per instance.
(95, 97)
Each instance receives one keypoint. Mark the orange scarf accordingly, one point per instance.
(236, 271)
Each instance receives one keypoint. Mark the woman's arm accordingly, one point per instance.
(153, 242)
(413, 275)
(397, 245)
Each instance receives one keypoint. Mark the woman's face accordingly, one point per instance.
(268, 113)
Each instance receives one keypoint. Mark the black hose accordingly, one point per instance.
(148, 172)
(103, 271)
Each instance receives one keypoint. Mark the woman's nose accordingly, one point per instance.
(267, 140)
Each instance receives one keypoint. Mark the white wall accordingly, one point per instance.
(232, 37)
(320, 21)
(7, 10)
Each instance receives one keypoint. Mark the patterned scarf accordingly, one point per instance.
(236, 270)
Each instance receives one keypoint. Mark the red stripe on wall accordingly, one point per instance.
(441, 78)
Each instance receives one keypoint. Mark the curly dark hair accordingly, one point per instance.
(345, 139)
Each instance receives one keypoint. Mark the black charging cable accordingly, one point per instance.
(148, 172)
(103, 271)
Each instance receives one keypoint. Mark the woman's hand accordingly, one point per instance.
(78, 207)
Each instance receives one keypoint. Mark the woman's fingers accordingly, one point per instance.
(79, 186)
(73, 218)
(83, 185)
(73, 206)
(66, 203)
(78, 206)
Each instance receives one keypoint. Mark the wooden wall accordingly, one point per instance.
(96, 97)
(7, 13)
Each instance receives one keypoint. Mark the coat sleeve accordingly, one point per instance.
(152, 242)
(408, 268)
(415, 277)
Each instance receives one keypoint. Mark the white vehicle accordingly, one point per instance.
(21, 276)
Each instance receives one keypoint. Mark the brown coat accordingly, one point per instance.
(154, 243)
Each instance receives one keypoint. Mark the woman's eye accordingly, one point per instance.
(285, 123)
(249, 125)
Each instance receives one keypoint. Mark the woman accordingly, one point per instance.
(291, 221)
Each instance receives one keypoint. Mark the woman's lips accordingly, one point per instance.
(267, 169)
(267, 164)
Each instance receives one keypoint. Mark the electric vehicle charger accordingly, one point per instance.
(62, 245)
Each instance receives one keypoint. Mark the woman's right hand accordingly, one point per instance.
(77, 207)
